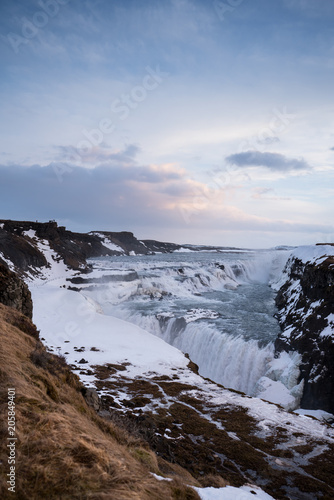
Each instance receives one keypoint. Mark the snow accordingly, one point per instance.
(64, 315)
(2, 226)
(318, 414)
(313, 253)
(8, 262)
(68, 319)
(184, 250)
(247, 492)
(31, 233)
(277, 392)
(112, 246)
(280, 383)
(107, 243)
(56, 266)
(328, 331)
(231, 493)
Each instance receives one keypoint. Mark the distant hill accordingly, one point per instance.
(25, 245)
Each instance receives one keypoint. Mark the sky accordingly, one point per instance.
(191, 121)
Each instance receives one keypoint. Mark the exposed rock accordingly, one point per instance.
(92, 398)
(20, 251)
(113, 278)
(158, 246)
(14, 292)
(306, 303)
(20, 244)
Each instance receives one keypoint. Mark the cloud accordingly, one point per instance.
(153, 201)
(272, 161)
(99, 154)
(269, 140)
(111, 196)
(261, 193)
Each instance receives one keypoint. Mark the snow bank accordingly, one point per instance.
(107, 243)
(313, 253)
(231, 493)
(67, 320)
(280, 383)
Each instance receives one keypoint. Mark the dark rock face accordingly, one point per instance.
(158, 246)
(23, 251)
(127, 241)
(14, 292)
(306, 303)
(19, 243)
(20, 252)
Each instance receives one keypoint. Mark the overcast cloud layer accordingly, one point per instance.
(181, 120)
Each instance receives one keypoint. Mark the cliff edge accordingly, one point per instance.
(306, 314)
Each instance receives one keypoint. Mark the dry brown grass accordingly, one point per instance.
(64, 450)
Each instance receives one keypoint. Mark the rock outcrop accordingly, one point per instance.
(21, 244)
(306, 316)
(14, 292)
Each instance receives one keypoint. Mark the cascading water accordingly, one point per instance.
(217, 308)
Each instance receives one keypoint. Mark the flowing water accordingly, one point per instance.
(217, 307)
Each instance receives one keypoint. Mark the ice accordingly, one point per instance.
(280, 383)
(196, 314)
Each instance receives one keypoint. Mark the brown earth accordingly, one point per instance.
(64, 450)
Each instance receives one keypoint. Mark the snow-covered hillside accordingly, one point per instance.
(258, 447)
(151, 383)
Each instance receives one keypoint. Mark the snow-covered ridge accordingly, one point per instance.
(312, 254)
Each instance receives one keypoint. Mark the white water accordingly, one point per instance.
(218, 308)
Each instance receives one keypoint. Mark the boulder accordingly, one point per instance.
(14, 292)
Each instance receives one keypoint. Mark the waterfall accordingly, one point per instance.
(230, 361)
(169, 298)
